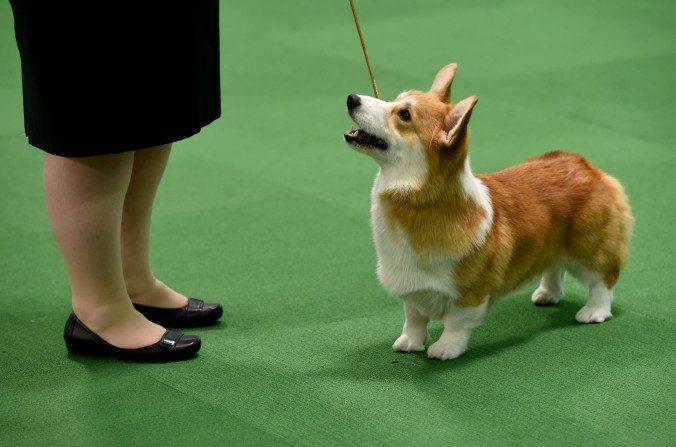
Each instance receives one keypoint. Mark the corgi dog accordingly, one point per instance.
(450, 243)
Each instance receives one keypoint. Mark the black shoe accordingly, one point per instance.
(80, 340)
(194, 314)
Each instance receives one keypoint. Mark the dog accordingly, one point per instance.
(450, 243)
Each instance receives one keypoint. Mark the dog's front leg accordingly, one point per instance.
(458, 325)
(414, 334)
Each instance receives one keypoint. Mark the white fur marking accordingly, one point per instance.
(478, 192)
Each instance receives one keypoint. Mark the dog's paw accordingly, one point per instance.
(545, 297)
(593, 315)
(445, 350)
(408, 343)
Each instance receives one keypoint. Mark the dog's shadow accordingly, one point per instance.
(510, 324)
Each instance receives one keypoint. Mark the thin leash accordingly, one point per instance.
(363, 47)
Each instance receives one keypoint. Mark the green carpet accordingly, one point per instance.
(267, 211)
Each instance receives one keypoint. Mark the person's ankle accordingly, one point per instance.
(140, 285)
(155, 294)
(99, 317)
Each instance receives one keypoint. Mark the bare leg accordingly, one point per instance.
(414, 334)
(458, 325)
(84, 202)
(142, 286)
(551, 287)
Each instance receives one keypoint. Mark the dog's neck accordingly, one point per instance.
(417, 186)
(461, 196)
(404, 180)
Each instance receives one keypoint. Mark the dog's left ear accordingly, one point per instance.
(456, 120)
(441, 86)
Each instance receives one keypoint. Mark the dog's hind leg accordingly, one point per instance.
(550, 290)
(597, 309)
(414, 334)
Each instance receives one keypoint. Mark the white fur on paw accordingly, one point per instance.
(406, 343)
(444, 350)
(593, 315)
(544, 297)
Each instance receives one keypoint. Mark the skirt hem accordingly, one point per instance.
(76, 150)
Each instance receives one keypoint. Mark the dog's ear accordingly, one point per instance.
(456, 120)
(441, 86)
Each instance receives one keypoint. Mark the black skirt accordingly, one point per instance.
(109, 77)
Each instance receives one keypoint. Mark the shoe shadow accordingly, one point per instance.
(95, 363)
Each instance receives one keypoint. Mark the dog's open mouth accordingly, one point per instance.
(364, 139)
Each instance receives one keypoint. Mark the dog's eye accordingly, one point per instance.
(405, 115)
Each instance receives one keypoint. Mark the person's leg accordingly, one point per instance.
(142, 286)
(84, 201)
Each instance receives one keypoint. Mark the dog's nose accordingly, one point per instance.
(353, 101)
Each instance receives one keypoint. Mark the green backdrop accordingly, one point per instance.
(267, 211)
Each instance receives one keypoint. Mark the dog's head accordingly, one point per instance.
(416, 133)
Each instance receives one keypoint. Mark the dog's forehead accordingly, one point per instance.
(408, 94)
(408, 102)
(415, 98)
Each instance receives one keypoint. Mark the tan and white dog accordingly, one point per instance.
(450, 243)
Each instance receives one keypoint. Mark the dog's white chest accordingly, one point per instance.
(400, 269)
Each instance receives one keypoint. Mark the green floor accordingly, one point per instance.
(267, 211)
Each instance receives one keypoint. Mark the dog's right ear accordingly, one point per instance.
(441, 86)
(456, 120)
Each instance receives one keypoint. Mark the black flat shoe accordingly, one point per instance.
(173, 346)
(194, 314)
